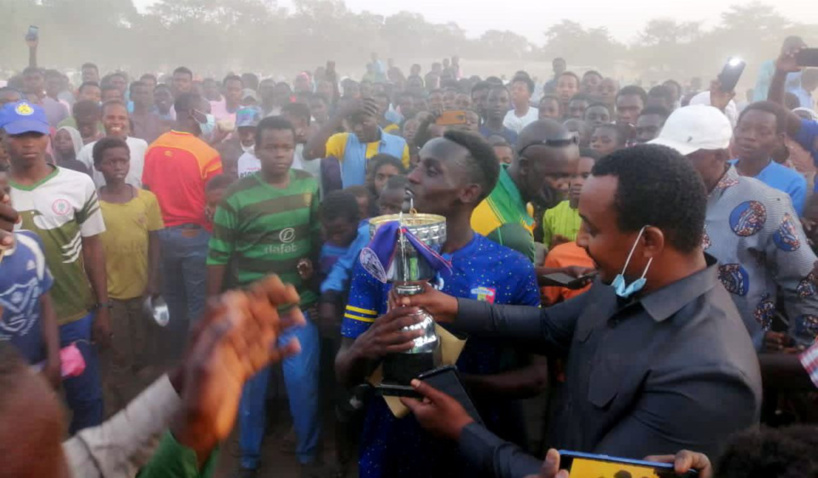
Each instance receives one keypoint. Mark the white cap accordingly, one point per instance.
(696, 127)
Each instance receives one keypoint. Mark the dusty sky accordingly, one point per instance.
(532, 17)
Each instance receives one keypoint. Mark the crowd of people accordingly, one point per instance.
(685, 221)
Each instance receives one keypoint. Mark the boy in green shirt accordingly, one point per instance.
(267, 223)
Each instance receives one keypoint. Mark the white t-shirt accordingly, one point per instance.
(517, 123)
(138, 148)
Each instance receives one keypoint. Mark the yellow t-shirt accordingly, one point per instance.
(125, 242)
(337, 143)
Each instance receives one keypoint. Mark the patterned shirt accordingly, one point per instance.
(809, 359)
(482, 270)
(260, 229)
(63, 209)
(754, 232)
(24, 278)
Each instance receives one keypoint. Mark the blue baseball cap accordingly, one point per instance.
(23, 117)
(248, 117)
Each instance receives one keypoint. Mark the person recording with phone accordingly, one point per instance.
(657, 356)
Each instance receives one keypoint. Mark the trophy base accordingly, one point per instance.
(400, 369)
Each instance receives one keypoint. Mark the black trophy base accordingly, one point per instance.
(400, 369)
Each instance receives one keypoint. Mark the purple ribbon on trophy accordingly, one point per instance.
(378, 256)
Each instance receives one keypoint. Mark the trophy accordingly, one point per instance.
(411, 245)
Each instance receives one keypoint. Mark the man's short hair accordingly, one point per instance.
(656, 110)
(661, 91)
(657, 187)
(187, 102)
(107, 86)
(340, 204)
(484, 169)
(106, 143)
(780, 452)
(86, 85)
(250, 80)
(633, 90)
(580, 97)
(136, 84)
(480, 86)
(149, 75)
(222, 181)
(599, 104)
(570, 73)
(85, 107)
(31, 70)
(621, 135)
(90, 65)
(529, 83)
(278, 123)
(111, 103)
(379, 160)
(232, 77)
(592, 72)
(781, 114)
(297, 110)
(183, 70)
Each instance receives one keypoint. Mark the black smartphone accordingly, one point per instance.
(807, 57)
(446, 379)
(731, 73)
(33, 33)
(587, 465)
(561, 279)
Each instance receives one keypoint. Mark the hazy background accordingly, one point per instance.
(629, 39)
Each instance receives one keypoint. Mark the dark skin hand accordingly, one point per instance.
(438, 412)
(683, 462)
(8, 218)
(441, 306)
(778, 342)
(238, 338)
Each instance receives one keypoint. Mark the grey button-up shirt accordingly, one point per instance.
(675, 369)
(754, 232)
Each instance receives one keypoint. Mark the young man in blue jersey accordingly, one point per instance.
(456, 172)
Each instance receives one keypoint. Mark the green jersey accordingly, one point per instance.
(260, 229)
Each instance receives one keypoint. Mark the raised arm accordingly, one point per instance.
(316, 146)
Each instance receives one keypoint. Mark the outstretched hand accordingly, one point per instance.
(442, 307)
(787, 61)
(237, 338)
(685, 461)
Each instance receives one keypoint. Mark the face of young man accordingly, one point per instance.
(182, 83)
(275, 151)
(34, 82)
(547, 168)
(756, 136)
(648, 127)
(567, 87)
(90, 74)
(628, 108)
(439, 184)
(365, 128)
(115, 121)
(141, 96)
(604, 140)
(340, 231)
(120, 83)
(232, 91)
(163, 100)
(549, 109)
(497, 104)
(584, 167)
(519, 93)
(597, 115)
(576, 109)
(25, 149)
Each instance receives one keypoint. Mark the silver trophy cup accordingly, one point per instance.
(408, 272)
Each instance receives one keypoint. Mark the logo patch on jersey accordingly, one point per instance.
(748, 218)
(806, 287)
(371, 264)
(19, 303)
(765, 312)
(24, 109)
(484, 294)
(786, 237)
(734, 278)
(307, 199)
(61, 207)
(286, 236)
(806, 326)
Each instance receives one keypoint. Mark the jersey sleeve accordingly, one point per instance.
(90, 216)
(222, 242)
(336, 144)
(154, 214)
(365, 301)
(213, 167)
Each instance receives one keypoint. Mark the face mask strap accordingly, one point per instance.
(633, 248)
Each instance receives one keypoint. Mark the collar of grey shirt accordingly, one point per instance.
(668, 300)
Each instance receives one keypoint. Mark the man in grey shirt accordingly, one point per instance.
(753, 231)
(657, 357)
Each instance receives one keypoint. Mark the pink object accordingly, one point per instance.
(72, 362)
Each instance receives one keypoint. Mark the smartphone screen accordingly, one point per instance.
(33, 33)
(452, 117)
(731, 73)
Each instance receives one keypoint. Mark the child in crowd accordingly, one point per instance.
(503, 150)
(131, 244)
(561, 222)
(27, 317)
(364, 198)
(381, 168)
(608, 138)
(392, 196)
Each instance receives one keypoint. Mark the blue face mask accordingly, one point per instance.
(209, 126)
(626, 290)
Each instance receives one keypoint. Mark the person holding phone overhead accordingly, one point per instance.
(650, 348)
